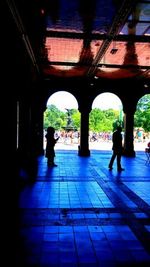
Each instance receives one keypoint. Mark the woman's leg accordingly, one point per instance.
(119, 162)
(112, 160)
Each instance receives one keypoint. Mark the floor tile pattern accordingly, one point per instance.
(82, 214)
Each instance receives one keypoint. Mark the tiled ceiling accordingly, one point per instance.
(103, 38)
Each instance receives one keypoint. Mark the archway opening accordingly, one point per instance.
(142, 123)
(106, 115)
(62, 114)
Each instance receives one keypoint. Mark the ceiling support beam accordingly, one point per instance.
(97, 36)
(101, 65)
(119, 20)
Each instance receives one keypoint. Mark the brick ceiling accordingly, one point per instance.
(94, 38)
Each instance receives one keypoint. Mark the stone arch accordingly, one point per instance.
(105, 101)
(64, 101)
(105, 96)
(62, 96)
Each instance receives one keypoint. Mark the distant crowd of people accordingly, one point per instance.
(73, 137)
(116, 138)
(141, 136)
(52, 138)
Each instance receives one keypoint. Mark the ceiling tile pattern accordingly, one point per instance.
(103, 38)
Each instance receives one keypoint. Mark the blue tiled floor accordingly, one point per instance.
(82, 214)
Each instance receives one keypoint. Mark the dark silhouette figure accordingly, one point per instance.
(117, 149)
(50, 143)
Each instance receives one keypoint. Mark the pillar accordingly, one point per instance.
(128, 134)
(83, 149)
(38, 131)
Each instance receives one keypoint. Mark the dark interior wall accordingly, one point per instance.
(17, 78)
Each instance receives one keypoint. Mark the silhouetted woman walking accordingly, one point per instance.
(117, 149)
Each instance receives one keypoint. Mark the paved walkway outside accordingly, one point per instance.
(82, 214)
(98, 145)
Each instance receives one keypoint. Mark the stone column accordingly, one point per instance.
(83, 149)
(39, 131)
(128, 135)
(36, 125)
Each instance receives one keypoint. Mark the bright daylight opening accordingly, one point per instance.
(106, 101)
(107, 113)
(105, 116)
(63, 100)
(142, 123)
(62, 114)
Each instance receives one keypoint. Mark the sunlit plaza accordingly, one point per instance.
(97, 145)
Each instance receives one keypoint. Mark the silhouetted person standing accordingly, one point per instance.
(51, 141)
(117, 149)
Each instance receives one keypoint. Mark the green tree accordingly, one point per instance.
(76, 119)
(96, 119)
(142, 114)
(53, 117)
(102, 120)
(99, 120)
(143, 103)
